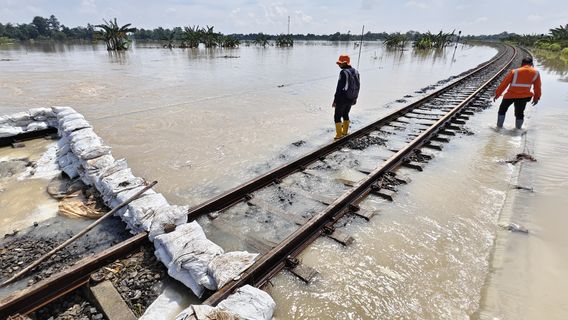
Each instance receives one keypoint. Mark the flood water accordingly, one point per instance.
(201, 122)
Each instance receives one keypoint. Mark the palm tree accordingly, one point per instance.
(115, 37)
(229, 42)
(191, 37)
(209, 37)
(395, 40)
(261, 40)
(284, 40)
(560, 33)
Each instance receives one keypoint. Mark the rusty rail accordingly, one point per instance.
(274, 260)
(269, 264)
(238, 193)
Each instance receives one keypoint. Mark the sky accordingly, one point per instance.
(318, 16)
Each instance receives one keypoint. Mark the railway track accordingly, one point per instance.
(282, 211)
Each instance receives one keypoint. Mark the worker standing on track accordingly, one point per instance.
(519, 93)
(346, 95)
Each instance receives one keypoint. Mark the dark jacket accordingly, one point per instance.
(340, 95)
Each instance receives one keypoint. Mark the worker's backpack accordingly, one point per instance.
(352, 84)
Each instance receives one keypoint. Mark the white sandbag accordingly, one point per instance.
(165, 216)
(61, 120)
(9, 131)
(82, 134)
(19, 119)
(41, 114)
(141, 211)
(200, 312)
(75, 124)
(71, 170)
(95, 152)
(63, 146)
(229, 266)
(187, 253)
(67, 159)
(249, 303)
(166, 306)
(60, 111)
(118, 165)
(36, 126)
(195, 258)
(90, 148)
(117, 182)
(94, 167)
(4, 120)
(174, 241)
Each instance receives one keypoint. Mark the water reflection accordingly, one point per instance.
(553, 62)
(120, 57)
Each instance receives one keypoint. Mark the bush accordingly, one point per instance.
(555, 47)
(564, 52)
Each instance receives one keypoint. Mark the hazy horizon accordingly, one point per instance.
(318, 17)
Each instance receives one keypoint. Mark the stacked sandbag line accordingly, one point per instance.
(183, 247)
(27, 121)
(246, 303)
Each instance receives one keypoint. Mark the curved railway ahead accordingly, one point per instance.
(282, 211)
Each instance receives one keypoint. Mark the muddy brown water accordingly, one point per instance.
(201, 123)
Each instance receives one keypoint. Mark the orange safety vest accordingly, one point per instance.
(520, 82)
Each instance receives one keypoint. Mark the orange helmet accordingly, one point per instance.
(343, 59)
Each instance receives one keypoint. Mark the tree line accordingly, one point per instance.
(51, 29)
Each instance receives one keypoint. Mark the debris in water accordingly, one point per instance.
(520, 157)
(299, 143)
(518, 187)
(513, 227)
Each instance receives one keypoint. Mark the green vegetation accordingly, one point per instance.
(436, 41)
(45, 29)
(284, 40)
(5, 40)
(556, 40)
(115, 37)
(261, 40)
(396, 40)
(191, 37)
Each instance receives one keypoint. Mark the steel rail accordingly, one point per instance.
(238, 193)
(274, 260)
(47, 290)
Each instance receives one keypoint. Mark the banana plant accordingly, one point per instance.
(115, 36)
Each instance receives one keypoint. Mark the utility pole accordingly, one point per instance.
(360, 46)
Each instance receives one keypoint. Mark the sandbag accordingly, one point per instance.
(167, 216)
(75, 124)
(187, 252)
(41, 114)
(249, 303)
(33, 126)
(9, 131)
(205, 312)
(229, 266)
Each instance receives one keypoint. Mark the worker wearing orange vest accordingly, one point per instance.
(519, 93)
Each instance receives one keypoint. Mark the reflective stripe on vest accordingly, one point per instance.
(523, 85)
(346, 80)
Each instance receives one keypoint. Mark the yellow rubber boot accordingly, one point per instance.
(345, 127)
(338, 131)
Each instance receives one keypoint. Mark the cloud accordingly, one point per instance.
(534, 18)
(416, 4)
(481, 19)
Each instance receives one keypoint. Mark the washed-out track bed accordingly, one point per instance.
(282, 211)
